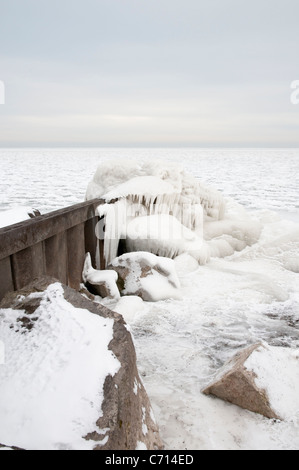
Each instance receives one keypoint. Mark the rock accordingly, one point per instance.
(236, 384)
(147, 276)
(102, 282)
(127, 419)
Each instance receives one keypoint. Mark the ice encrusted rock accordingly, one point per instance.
(38, 401)
(103, 282)
(262, 379)
(148, 276)
(160, 208)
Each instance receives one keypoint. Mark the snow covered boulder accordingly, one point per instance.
(70, 379)
(102, 282)
(262, 379)
(148, 276)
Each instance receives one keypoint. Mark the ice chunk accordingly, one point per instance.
(165, 236)
(104, 281)
(166, 211)
(185, 264)
(148, 276)
(129, 306)
(140, 186)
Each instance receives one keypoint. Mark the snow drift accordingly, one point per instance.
(162, 209)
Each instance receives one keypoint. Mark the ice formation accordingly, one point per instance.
(162, 209)
(104, 278)
(150, 277)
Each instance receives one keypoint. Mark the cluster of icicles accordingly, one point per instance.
(166, 193)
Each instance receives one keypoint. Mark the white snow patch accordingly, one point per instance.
(135, 388)
(14, 216)
(51, 386)
(144, 426)
(145, 186)
(277, 372)
(129, 306)
(162, 283)
(141, 446)
(152, 416)
(185, 264)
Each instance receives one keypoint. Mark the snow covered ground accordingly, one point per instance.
(227, 304)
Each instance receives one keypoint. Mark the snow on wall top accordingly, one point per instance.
(14, 216)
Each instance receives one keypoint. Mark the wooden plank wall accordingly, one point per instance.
(53, 244)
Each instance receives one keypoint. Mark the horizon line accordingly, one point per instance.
(145, 146)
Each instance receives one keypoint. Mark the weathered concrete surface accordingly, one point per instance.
(235, 384)
(126, 408)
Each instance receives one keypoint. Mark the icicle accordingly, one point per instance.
(115, 227)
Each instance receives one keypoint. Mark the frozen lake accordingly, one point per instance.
(52, 179)
(227, 304)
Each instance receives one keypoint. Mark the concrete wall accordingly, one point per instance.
(53, 244)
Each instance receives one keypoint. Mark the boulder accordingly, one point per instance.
(147, 276)
(237, 384)
(100, 282)
(126, 420)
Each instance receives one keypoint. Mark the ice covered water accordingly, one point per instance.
(227, 304)
(2, 353)
(52, 179)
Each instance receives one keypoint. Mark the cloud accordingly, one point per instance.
(109, 71)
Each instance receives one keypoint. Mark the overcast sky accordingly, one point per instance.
(149, 72)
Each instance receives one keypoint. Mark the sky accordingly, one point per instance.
(149, 73)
